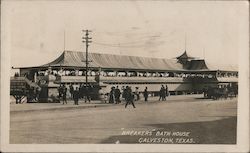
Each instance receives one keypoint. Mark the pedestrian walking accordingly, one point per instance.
(71, 90)
(84, 91)
(137, 94)
(117, 93)
(90, 92)
(160, 94)
(164, 94)
(60, 91)
(76, 96)
(146, 94)
(112, 95)
(80, 91)
(123, 92)
(130, 98)
(167, 92)
(64, 94)
(87, 93)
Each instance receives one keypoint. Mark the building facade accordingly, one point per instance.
(182, 75)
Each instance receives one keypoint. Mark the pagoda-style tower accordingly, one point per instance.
(184, 59)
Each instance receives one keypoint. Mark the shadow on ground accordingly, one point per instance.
(211, 132)
(203, 98)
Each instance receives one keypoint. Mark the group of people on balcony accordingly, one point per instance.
(133, 74)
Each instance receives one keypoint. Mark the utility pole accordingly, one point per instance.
(87, 40)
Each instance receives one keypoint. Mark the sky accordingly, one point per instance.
(36, 32)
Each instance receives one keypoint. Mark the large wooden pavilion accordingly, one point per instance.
(183, 74)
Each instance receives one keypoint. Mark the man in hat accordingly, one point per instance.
(76, 96)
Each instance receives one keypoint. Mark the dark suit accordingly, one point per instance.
(76, 96)
(130, 98)
(146, 94)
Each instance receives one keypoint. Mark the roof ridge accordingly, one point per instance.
(69, 51)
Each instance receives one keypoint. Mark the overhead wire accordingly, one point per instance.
(142, 39)
(128, 46)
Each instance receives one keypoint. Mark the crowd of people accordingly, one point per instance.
(132, 74)
(115, 96)
(129, 96)
(163, 93)
(81, 92)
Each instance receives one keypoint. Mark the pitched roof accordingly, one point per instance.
(76, 59)
(203, 65)
(110, 61)
(222, 67)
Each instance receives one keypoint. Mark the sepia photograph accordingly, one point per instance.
(125, 73)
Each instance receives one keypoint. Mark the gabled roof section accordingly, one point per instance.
(198, 65)
(184, 56)
(57, 62)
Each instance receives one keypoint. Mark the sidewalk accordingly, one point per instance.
(54, 106)
(28, 107)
